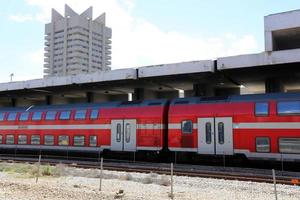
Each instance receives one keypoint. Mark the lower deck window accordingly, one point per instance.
(79, 140)
(93, 141)
(263, 144)
(10, 139)
(289, 145)
(49, 140)
(35, 139)
(187, 126)
(22, 139)
(63, 140)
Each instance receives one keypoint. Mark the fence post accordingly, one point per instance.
(274, 181)
(172, 191)
(38, 170)
(101, 174)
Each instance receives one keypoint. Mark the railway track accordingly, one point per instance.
(162, 168)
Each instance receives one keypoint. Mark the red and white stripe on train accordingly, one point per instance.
(265, 126)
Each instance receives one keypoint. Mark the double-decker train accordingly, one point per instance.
(260, 126)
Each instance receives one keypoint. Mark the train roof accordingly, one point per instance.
(238, 98)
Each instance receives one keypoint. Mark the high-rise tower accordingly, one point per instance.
(76, 44)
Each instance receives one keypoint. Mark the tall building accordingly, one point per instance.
(76, 44)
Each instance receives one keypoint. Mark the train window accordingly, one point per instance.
(50, 115)
(127, 132)
(35, 139)
(187, 126)
(94, 114)
(49, 140)
(1, 139)
(2, 114)
(261, 109)
(10, 139)
(93, 140)
(263, 144)
(289, 145)
(221, 132)
(80, 114)
(22, 139)
(24, 116)
(208, 132)
(79, 140)
(118, 135)
(63, 140)
(288, 107)
(37, 116)
(65, 115)
(12, 116)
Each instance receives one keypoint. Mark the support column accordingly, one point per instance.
(200, 89)
(138, 94)
(89, 97)
(13, 102)
(48, 100)
(273, 84)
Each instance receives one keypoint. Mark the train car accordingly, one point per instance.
(115, 126)
(265, 126)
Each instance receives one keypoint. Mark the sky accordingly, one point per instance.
(144, 32)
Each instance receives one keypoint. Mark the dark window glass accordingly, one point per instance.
(289, 145)
(208, 132)
(49, 140)
(50, 115)
(37, 115)
(119, 134)
(65, 115)
(127, 132)
(221, 132)
(80, 114)
(12, 116)
(93, 141)
(10, 139)
(2, 114)
(187, 126)
(263, 144)
(288, 108)
(35, 139)
(94, 114)
(261, 109)
(63, 140)
(79, 140)
(1, 140)
(22, 139)
(24, 116)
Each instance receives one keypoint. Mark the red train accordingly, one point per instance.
(264, 126)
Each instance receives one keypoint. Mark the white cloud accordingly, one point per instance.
(21, 17)
(137, 42)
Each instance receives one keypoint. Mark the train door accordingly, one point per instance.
(123, 135)
(215, 136)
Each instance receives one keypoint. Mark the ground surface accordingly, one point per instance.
(81, 184)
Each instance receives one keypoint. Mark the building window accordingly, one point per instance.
(288, 108)
(10, 139)
(50, 115)
(37, 116)
(79, 140)
(22, 139)
(24, 116)
(35, 139)
(186, 126)
(94, 114)
(263, 144)
(49, 140)
(93, 140)
(65, 115)
(261, 109)
(80, 114)
(12, 116)
(63, 140)
(289, 145)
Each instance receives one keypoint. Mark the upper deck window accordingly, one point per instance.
(37, 116)
(50, 115)
(288, 108)
(12, 116)
(80, 114)
(94, 114)
(24, 116)
(261, 109)
(65, 115)
(2, 114)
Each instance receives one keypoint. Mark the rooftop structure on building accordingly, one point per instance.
(76, 44)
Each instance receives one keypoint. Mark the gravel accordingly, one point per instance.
(84, 184)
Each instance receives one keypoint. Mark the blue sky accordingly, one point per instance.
(144, 32)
